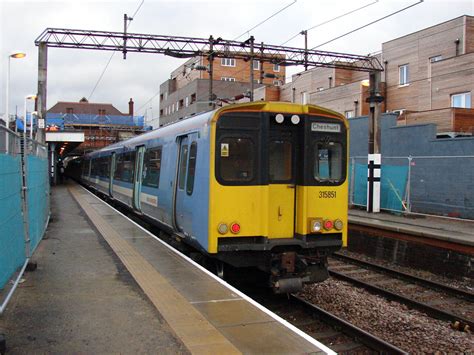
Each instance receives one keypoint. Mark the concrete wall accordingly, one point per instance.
(441, 181)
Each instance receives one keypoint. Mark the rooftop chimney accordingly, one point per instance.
(130, 107)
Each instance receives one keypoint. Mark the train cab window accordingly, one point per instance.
(281, 164)
(182, 166)
(191, 168)
(328, 161)
(152, 167)
(236, 160)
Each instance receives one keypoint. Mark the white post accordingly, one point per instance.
(7, 108)
(373, 183)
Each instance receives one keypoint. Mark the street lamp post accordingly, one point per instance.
(29, 97)
(14, 55)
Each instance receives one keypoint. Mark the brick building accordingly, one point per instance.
(428, 77)
(187, 90)
(101, 123)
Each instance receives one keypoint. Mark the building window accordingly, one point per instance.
(277, 82)
(256, 81)
(181, 103)
(228, 62)
(349, 114)
(436, 58)
(276, 67)
(161, 112)
(177, 106)
(256, 65)
(226, 78)
(161, 97)
(462, 100)
(186, 101)
(172, 108)
(403, 74)
(193, 98)
(166, 95)
(101, 112)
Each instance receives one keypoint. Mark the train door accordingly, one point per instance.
(282, 153)
(180, 182)
(138, 177)
(112, 173)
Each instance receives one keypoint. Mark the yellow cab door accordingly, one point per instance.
(282, 155)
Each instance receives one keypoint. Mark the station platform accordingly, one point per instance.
(447, 230)
(106, 285)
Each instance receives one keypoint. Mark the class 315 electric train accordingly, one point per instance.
(260, 185)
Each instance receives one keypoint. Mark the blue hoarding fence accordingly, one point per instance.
(24, 204)
(440, 185)
(394, 183)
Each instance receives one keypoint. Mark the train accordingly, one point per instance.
(259, 185)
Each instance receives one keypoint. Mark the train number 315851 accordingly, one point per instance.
(327, 194)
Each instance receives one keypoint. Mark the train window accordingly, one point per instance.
(236, 159)
(152, 167)
(182, 166)
(328, 161)
(191, 168)
(125, 166)
(280, 160)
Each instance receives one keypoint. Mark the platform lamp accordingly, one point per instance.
(14, 55)
(29, 97)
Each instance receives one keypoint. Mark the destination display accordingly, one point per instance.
(325, 127)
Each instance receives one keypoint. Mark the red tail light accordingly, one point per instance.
(328, 224)
(235, 228)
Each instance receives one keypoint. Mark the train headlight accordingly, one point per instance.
(295, 119)
(338, 224)
(328, 224)
(235, 228)
(222, 228)
(315, 225)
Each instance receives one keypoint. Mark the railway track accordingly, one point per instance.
(334, 332)
(435, 299)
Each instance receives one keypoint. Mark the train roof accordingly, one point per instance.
(198, 121)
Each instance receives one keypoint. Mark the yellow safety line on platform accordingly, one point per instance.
(197, 334)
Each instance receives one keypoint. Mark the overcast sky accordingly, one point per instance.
(73, 73)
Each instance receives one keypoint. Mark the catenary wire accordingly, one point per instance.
(331, 20)
(112, 56)
(368, 24)
(268, 18)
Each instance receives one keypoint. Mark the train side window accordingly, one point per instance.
(191, 168)
(182, 166)
(236, 159)
(128, 166)
(327, 161)
(152, 167)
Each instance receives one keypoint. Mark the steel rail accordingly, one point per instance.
(359, 334)
(469, 296)
(429, 310)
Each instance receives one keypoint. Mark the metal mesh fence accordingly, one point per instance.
(442, 185)
(12, 242)
(37, 182)
(24, 202)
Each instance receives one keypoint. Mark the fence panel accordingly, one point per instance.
(394, 182)
(12, 238)
(37, 182)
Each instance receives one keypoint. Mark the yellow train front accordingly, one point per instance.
(278, 193)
